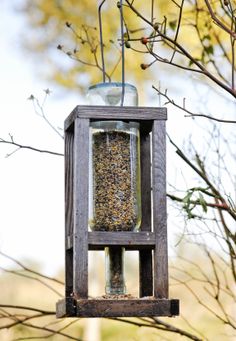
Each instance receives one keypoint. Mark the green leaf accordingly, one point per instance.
(209, 49)
(187, 197)
(206, 37)
(202, 202)
(190, 63)
(173, 24)
(125, 36)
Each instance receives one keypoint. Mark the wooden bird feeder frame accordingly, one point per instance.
(150, 240)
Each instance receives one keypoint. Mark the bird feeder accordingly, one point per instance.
(115, 200)
(111, 203)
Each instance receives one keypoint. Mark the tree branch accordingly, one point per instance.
(160, 325)
(21, 146)
(218, 22)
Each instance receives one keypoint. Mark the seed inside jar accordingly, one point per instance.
(114, 158)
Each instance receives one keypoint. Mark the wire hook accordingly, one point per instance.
(122, 46)
(101, 40)
(122, 52)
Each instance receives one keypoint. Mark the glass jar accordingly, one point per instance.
(111, 94)
(114, 194)
(114, 176)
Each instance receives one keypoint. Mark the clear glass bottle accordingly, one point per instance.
(114, 177)
(111, 94)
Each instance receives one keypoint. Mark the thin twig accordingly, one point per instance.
(31, 270)
(190, 113)
(219, 22)
(21, 146)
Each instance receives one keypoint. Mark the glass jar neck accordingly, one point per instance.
(115, 125)
(111, 94)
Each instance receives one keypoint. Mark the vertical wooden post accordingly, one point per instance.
(80, 235)
(159, 209)
(145, 256)
(69, 154)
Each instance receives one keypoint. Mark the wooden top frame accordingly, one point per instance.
(121, 113)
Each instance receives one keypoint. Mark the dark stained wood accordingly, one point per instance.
(123, 308)
(69, 273)
(69, 150)
(117, 308)
(130, 240)
(159, 209)
(69, 153)
(174, 307)
(145, 273)
(146, 182)
(145, 256)
(152, 244)
(80, 236)
(66, 307)
(117, 113)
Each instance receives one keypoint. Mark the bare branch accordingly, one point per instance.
(160, 325)
(31, 270)
(33, 278)
(219, 22)
(39, 110)
(21, 307)
(193, 60)
(21, 146)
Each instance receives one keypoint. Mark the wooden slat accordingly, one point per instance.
(69, 150)
(69, 273)
(80, 236)
(113, 112)
(145, 256)
(130, 240)
(69, 154)
(66, 308)
(125, 308)
(117, 308)
(159, 209)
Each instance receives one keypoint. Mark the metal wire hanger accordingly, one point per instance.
(122, 46)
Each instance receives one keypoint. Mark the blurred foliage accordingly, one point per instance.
(48, 29)
(72, 26)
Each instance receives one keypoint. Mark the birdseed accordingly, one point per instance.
(114, 181)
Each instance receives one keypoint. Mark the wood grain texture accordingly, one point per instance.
(80, 236)
(159, 209)
(145, 256)
(69, 153)
(66, 308)
(69, 272)
(69, 156)
(113, 112)
(123, 308)
(145, 182)
(69, 307)
(130, 240)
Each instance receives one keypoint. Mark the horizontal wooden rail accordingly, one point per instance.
(117, 307)
(130, 240)
(113, 112)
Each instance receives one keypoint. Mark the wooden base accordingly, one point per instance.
(69, 307)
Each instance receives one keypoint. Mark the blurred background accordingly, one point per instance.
(48, 51)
